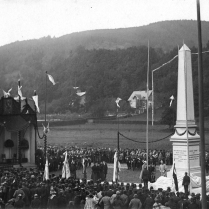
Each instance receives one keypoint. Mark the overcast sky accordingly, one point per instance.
(29, 19)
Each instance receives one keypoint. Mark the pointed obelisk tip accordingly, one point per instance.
(184, 48)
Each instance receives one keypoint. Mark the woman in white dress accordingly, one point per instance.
(163, 168)
(143, 167)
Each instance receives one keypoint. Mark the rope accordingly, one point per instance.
(40, 137)
(173, 59)
(144, 142)
(165, 63)
(202, 52)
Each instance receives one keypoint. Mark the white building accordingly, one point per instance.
(138, 99)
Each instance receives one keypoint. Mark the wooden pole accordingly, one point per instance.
(147, 131)
(201, 108)
(45, 136)
(19, 132)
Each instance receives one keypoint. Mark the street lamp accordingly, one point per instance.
(153, 86)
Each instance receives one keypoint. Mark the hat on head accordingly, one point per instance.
(35, 195)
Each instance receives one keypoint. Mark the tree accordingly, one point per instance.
(169, 117)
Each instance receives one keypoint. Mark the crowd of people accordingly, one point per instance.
(134, 158)
(25, 188)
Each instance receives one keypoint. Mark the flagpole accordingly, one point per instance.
(152, 98)
(45, 136)
(147, 134)
(185, 79)
(118, 147)
(36, 123)
(19, 132)
(201, 108)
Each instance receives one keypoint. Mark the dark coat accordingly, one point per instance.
(146, 174)
(186, 180)
(36, 203)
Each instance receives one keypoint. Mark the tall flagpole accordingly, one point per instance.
(152, 98)
(19, 132)
(36, 123)
(45, 135)
(201, 108)
(185, 79)
(118, 147)
(147, 132)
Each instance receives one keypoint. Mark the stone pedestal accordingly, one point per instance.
(185, 119)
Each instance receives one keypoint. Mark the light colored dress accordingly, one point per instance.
(140, 176)
(162, 169)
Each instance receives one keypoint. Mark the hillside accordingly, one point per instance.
(104, 63)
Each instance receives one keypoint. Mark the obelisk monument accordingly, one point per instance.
(183, 140)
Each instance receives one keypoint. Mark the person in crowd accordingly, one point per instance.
(105, 201)
(19, 191)
(185, 183)
(10, 204)
(135, 203)
(90, 202)
(104, 170)
(52, 201)
(141, 173)
(36, 202)
(145, 177)
(117, 202)
(73, 168)
(163, 168)
(19, 202)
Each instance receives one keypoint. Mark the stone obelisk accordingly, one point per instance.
(183, 141)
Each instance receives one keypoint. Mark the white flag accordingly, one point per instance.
(171, 98)
(65, 168)
(35, 99)
(7, 94)
(46, 170)
(46, 129)
(51, 79)
(20, 92)
(116, 168)
(117, 101)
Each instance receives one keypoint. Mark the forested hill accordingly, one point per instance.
(165, 35)
(104, 63)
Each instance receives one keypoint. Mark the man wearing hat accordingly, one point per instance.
(52, 202)
(19, 203)
(36, 203)
(17, 192)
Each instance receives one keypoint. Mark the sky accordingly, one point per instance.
(33, 19)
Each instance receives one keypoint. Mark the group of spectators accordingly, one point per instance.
(25, 188)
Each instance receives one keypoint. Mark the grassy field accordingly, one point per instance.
(105, 135)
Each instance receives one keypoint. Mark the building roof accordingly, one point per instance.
(139, 95)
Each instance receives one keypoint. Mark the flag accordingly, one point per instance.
(46, 170)
(46, 129)
(116, 168)
(65, 168)
(51, 79)
(35, 99)
(20, 92)
(117, 101)
(7, 94)
(175, 178)
(171, 98)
